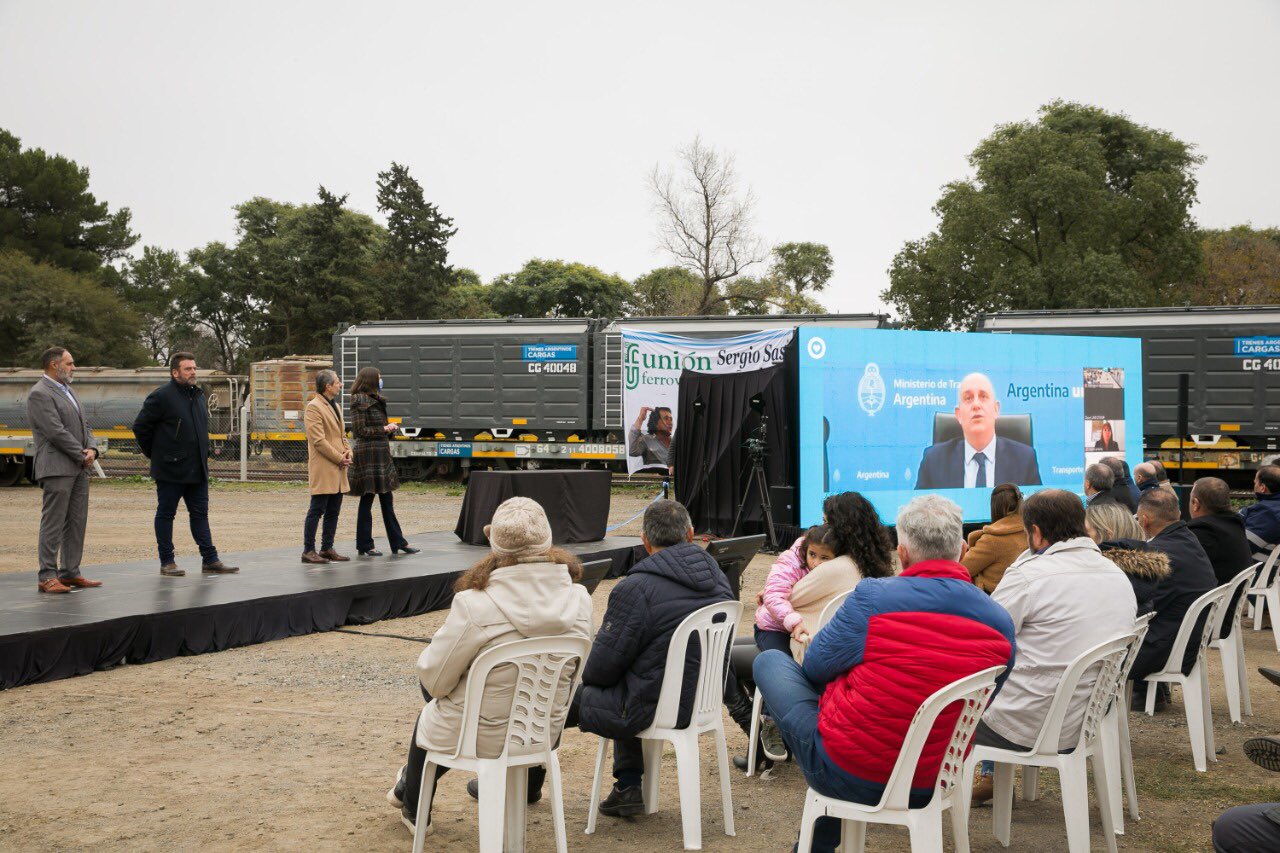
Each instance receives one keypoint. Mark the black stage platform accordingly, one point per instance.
(140, 616)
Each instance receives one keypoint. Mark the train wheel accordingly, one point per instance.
(11, 472)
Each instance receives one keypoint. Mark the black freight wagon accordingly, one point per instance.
(1232, 358)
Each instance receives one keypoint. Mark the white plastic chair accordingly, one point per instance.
(1231, 647)
(1195, 686)
(542, 664)
(924, 824)
(1104, 659)
(714, 626)
(1265, 593)
(757, 703)
(1116, 729)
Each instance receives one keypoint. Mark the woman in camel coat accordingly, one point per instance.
(328, 457)
(994, 548)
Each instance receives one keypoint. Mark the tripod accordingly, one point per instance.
(756, 477)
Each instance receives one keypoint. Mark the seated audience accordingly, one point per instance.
(1253, 828)
(845, 712)
(1123, 543)
(1144, 476)
(1162, 477)
(524, 588)
(994, 547)
(1098, 482)
(1064, 597)
(1190, 577)
(1262, 520)
(1221, 534)
(777, 622)
(1124, 490)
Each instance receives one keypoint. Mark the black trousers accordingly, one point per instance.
(364, 522)
(327, 507)
(628, 759)
(1248, 829)
(196, 497)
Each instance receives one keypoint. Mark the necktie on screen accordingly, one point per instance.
(981, 459)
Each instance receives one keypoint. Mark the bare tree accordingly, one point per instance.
(703, 221)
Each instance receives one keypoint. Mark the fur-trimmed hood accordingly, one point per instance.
(1138, 559)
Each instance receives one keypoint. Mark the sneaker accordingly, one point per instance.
(763, 762)
(623, 802)
(1264, 752)
(771, 739)
(409, 819)
(396, 795)
(473, 790)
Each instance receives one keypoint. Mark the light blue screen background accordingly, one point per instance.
(865, 443)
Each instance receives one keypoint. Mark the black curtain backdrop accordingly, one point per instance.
(711, 464)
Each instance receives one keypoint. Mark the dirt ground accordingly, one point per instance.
(292, 744)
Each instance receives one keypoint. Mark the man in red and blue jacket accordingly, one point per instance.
(845, 714)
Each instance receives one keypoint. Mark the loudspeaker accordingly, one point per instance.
(783, 500)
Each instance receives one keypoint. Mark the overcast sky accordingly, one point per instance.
(535, 124)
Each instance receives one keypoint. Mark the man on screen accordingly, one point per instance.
(978, 459)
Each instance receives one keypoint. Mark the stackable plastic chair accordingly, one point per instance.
(1231, 647)
(1116, 729)
(1195, 686)
(924, 824)
(714, 627)
(541, 664)
(1265, 593)
(757, 703)
(1106, 659)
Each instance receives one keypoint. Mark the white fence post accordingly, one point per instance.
(244, 441)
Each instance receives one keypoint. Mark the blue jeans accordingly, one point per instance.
(196, 497)
(766, 640)
(322, 506)
(364, 522)
(793, 702)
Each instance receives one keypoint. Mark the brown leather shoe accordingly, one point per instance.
(984, 788)
(312, 557)
(219, 568)
(52, 585)
(171, 570)
(80, 583)
(334, 556)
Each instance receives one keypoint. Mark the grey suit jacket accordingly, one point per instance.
(60, 432)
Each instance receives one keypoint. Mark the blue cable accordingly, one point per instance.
(656, 497)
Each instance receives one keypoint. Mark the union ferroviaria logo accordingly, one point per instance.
(631, 367)
(871, 389)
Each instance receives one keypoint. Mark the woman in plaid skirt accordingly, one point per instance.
(373, 471)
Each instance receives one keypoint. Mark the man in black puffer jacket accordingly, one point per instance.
(623, 674)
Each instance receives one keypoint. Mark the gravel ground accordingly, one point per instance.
(292, 744)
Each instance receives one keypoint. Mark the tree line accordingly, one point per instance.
(1079, 208)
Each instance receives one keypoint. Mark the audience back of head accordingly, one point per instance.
(1006, 499)
(1058, 513)
(1119, 468)
(1157, 509)
(1099, 477)
(856, 532)
(1268, 477)
(666, 523)
(1111, 521)
(1213, 495)
(1145, 471)
(930, 527)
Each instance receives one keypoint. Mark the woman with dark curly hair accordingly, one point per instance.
(857, 531)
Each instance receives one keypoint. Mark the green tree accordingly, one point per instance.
(413, 264)
(1081, 208)
(216, 297)
(669, 292)
(559, 289)
(468, 298)
(48, 213)
(804, 268)
(1241, 266)
(45, 305)
(151, 285)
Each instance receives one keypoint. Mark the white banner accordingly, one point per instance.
(651, 366)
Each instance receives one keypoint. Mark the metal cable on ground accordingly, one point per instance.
(388, 636)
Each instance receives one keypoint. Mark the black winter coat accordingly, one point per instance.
(173, 432)
(623, 675)
(1191, 577)
(1125, 492)
(1222, 537)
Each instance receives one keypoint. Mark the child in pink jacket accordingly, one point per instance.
(776, 621)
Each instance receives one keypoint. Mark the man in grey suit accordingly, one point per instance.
(65, 450)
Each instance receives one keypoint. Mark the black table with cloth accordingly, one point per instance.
(576, 502)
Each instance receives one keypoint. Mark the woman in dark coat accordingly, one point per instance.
(373, 471)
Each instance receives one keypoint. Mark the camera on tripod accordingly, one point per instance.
(757, 446)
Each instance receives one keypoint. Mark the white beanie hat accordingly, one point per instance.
(519, 526)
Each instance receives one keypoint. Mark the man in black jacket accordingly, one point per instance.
(1124, 490)
(1221, 534)
(1191, 577)
(173, 432)
(623, 674)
